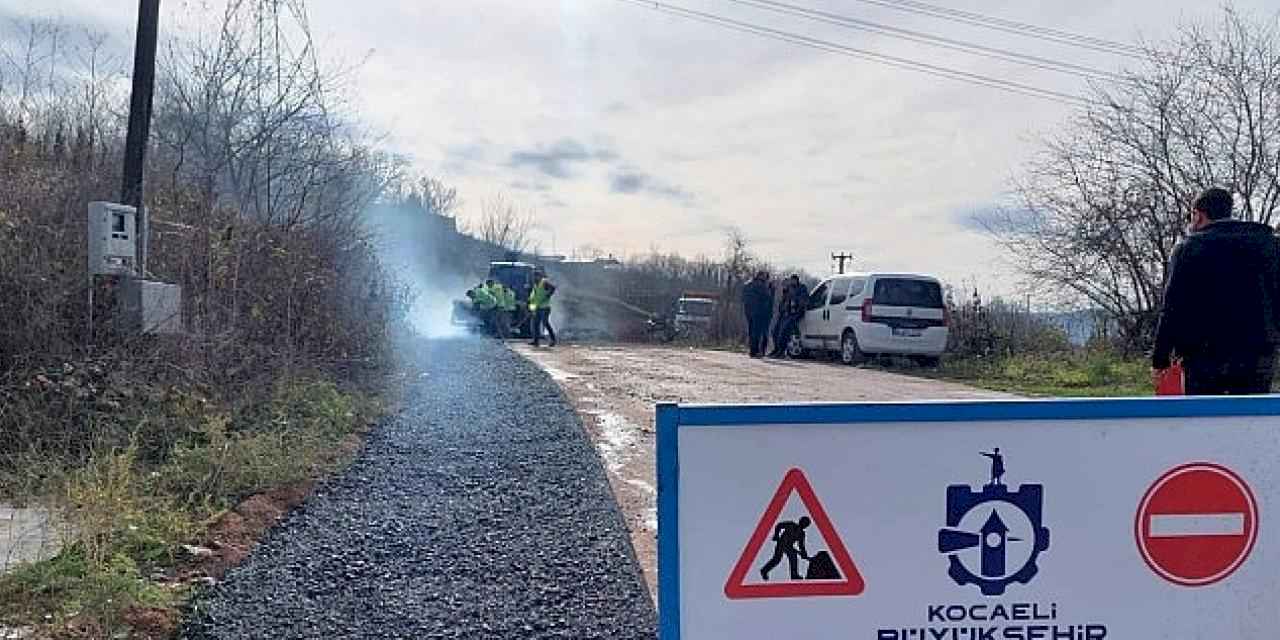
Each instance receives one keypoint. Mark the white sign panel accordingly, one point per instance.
(1037, 520)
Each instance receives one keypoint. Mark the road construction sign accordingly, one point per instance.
(827, 573)
(1008, 520)
(1197, 524)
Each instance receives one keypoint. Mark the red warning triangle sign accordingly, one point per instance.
(850, 582)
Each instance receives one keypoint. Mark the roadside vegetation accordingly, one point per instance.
(1069, 374)
(1006, 347)
(162, 458)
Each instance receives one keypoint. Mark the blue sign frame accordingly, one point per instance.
(671, 418)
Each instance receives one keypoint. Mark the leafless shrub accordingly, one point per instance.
(503, 223)
(1102, 207)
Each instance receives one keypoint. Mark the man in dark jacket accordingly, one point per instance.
(757, 304)
(1221, 311)
(795, 300)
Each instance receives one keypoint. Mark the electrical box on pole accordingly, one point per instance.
(151, 307)
(146, 306)
(113, 239)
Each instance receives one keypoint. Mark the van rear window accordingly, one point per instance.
(903, 292)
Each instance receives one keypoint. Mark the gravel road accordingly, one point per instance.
(482, 511)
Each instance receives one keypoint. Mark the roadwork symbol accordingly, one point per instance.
(827, 573)
(1197, 524)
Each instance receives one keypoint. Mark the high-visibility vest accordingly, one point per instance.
(498, 297)
(483, 298)
(539, 297)
(505, 297)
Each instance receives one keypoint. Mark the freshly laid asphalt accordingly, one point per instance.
(481, 511)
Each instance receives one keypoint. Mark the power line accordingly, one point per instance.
(831, 47)
(1011, 26)
(930, 39)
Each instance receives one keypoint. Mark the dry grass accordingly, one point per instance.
(132, 513)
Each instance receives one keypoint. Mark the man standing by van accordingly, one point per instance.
(795, 299)
(1221, 311)
(757, 304)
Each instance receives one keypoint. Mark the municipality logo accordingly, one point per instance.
(993, 536)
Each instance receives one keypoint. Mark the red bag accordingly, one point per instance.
(1171, 381)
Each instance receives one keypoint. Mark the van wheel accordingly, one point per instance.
(849, 351)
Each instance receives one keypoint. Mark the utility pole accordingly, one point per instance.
(135, 150)
(841, 258)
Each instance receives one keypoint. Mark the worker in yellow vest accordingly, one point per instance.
(483, 304)
(504, 305)
(540, 309)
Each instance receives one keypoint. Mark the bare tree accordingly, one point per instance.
(504, 224)
(246, 109)
(737, 259)
(434, 196)
(98, 71)
(1103, 205)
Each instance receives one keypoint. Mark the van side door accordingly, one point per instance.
(813, 324)
(834, 316)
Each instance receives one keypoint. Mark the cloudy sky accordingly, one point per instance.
(629, 129)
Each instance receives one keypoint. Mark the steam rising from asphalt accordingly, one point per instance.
(431, 311)
(408, 244)
(426, 252)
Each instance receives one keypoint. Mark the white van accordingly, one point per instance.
(875, 314)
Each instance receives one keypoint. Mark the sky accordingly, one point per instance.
(628, 129)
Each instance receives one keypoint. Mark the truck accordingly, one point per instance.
(517, 276)
(690, 317)
(693, 312)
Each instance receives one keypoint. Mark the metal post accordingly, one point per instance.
(88, 341)
(841, 258)
(135, 151)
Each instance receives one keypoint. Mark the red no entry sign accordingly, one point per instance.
(1197, 524)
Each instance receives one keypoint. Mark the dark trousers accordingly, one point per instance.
(487, 316)
(757, 335)
(502, 323)
(786, 325)
(1238, 376)
(542, 320)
